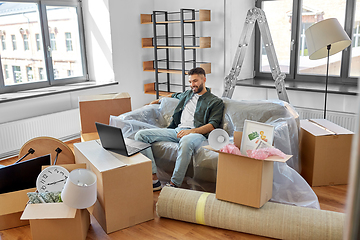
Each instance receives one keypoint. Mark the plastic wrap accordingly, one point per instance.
(288, 186)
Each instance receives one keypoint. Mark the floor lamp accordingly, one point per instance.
(324, 39)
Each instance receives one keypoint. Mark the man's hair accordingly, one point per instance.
(198, 71)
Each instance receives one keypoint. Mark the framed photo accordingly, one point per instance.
(253, 132)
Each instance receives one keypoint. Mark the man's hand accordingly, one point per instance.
(185, 132)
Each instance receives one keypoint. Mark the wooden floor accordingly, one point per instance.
(331, 198)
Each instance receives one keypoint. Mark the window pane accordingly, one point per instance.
(52, 41)
(68, 54)
(20, 21)
(278, 14)
(26, 42)
(3, 41)
(314, 11)
(355, 50)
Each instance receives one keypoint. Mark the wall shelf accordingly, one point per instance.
(205, 42)
(187, 43)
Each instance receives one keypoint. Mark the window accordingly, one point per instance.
(30, 74)
(38, 42)
(41, 74)
(70, 73)
(52, 41)
(3, 42)
(17, 74)
(40, 24)
(13, 39)
(6, 71)
(68, 41)
(288, 21)
(26, 42)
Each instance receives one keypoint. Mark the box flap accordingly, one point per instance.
(271, 158)
(48, 211)
(99, 157)
(237, 138)
(331, 126)
(103, 97)
(13, 202)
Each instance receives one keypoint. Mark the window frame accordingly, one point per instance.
(293, 76)
(44, 35)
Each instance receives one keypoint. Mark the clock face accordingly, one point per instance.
(52, 179)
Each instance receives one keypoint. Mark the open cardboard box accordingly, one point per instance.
(325, 152)
(98, 108)
(245, 180)
(124, 185)
(57, 220)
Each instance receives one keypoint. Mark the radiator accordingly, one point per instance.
(62, 125)
(346, 120)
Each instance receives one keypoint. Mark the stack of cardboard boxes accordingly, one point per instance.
(124, 184)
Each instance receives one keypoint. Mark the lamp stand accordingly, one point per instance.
(326, 79)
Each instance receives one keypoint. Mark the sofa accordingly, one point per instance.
(288, 185)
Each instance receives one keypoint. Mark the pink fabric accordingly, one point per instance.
(264, 153)
(231, 148)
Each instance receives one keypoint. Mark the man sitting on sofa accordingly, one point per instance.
(196, 115)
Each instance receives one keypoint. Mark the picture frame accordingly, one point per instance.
(253, 132)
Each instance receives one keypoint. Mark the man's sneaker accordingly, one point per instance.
(171, 185)
(156, 186)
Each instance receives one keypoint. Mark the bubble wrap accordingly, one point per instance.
(288, 185)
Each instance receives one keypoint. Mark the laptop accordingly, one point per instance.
(22, 175)
(112, 139)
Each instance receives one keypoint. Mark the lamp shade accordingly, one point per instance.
(80, 189)
(321, 34)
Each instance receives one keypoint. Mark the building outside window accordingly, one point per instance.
(38, 42)
(52, 41)
(17, 74)
(288, 21)
(13, 40)
(30, 74)
(26, 42)
(3, 42)
(68, 40)
(42, 67)
(70, 73)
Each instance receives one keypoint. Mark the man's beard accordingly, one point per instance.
(199, 89)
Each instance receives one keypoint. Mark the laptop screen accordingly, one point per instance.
(22, 175)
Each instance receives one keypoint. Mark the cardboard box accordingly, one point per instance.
(98, 108)
(57, 221)
(12, 205)
(124, 186)
(89, 136)
(244, 180)
(324, 152)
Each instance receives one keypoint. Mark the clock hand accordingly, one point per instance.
(56, 181)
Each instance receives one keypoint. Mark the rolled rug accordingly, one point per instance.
(271, 220)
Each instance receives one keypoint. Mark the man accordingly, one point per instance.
(196, 115)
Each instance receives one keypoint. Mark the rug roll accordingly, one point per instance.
(271, 220)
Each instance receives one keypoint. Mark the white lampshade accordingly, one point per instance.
(321, 34)
(80, 189)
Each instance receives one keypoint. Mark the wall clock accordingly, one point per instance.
(52, 179)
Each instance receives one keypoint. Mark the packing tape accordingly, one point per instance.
(200, 208)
